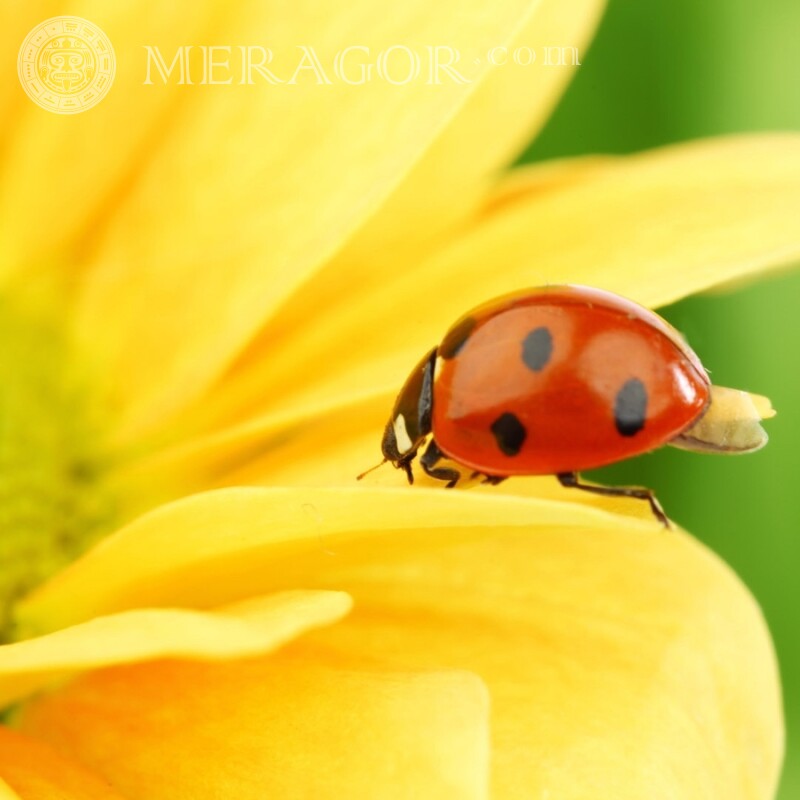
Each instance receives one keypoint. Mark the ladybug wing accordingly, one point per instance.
(563, 384)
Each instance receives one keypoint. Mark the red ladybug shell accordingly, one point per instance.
(562, 379)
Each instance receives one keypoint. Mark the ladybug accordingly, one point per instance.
(556, 380)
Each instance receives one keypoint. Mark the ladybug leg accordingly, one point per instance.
(571, 480)
(406, 465)
(492, 480)
(430, 458)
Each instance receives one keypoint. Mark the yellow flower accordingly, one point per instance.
(210, 296)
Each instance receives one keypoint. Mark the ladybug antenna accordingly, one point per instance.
(367, 471)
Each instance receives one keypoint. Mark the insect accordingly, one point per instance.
(557, 380)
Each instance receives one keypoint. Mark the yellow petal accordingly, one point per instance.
(36, 771)
(619, 665)
(256, 626)
(547, 177)
(314, 447)
(68, 175)
(252, 187)
(452, 178)
(13, 31)
(293, 725)
(220, 546)
(653, 227)
(619, 662)
(6, 793)
(498, 120)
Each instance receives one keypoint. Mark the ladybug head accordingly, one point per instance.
(410, 422)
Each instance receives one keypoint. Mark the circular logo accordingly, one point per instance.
(66, 65)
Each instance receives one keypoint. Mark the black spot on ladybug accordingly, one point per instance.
(457, 337)
(510, 433)
(630, 407)
(537, 347)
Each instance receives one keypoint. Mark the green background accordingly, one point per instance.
(664, 71)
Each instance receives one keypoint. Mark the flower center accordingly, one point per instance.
(52, 501)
